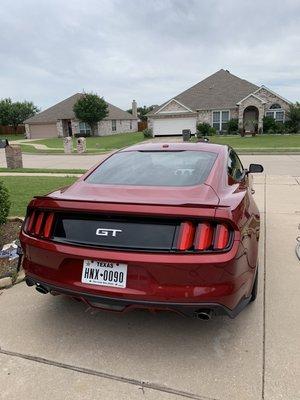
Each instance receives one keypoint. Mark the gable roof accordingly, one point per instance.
(251, 95)
(218, 91)
(183, 107)
(263, 87)
(64, 110)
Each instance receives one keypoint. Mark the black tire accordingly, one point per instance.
(255, 288)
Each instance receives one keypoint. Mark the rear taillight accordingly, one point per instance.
(39, 224)
(205, 236)
(186, 236)
(221, 237)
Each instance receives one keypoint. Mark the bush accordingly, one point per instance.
(233, 126)
(293, 116)
(269, 124)
(281, 128)
(148, 133)
(4, 203)
(203, 129)
(212, 131)
(85, 135)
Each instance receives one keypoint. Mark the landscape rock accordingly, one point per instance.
(20, 276)
(5, 282)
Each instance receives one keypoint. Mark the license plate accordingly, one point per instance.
(104, 273)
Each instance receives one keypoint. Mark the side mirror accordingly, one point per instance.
(254, 168)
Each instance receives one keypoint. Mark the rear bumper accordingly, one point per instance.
(183, 283)
(123, 305)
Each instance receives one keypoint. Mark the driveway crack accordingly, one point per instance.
(87, 371)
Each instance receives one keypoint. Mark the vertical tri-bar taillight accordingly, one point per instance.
(39, 223)
(204, 236)
(186, 235)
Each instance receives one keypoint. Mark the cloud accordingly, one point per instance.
(147, 50)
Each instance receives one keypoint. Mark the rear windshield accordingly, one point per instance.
(154, 168)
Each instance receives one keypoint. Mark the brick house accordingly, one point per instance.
(215, 100)
(60, 121)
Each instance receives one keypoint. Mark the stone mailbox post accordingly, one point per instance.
(81, 145)
(68, 145)
(13, 154)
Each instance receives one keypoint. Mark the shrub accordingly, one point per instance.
(148, 133)
(85, 135)
(233, 126)
(281, 128)
(293, 116)
(4, 203)
(269, 124)
(212, 131)
(203, 129)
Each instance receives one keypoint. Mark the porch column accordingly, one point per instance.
(260, 119)
(240, 117)
(60, 129)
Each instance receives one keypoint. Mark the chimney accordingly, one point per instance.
(134, 109)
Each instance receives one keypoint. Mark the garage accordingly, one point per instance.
(173, 126)
(38, 131)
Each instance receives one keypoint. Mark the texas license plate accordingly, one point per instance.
(104, 273)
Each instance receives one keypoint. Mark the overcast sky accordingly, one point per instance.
(148, 50)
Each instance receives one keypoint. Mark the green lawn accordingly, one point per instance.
(22, 189)
(260, 143)
(95, 145)
(12, 137)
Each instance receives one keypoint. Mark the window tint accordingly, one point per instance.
(154, 168)
(235, 167)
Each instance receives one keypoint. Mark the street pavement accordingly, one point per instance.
(56, 348)
(273, 164)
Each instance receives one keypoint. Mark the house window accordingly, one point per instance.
(130, 125)
(84, 128)
(113, 125)
(276, 112)
(220, 120)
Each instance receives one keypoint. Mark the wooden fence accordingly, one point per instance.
(142, 125)
(9, 130)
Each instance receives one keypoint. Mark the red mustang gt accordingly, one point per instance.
(154, 226)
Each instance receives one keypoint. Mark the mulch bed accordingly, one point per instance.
(9, 232)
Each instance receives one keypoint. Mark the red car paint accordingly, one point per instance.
(185, 282)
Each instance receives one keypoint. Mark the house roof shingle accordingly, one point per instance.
(221, 90)
(64, 110)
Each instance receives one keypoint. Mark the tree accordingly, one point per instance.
(293, 115)
(91, 108)
(15, 113)
(142, 111)
(5, 106)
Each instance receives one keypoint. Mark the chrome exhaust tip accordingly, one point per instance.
(41, 289)
(205, 315)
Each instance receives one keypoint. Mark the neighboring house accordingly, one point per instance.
(60, 121)
(215, 100)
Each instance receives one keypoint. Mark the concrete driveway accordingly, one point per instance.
(54, 347)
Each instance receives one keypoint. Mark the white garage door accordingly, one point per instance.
(173, 126)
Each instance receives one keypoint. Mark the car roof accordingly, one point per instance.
(165, 146)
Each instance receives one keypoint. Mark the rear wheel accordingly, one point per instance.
(255, 287)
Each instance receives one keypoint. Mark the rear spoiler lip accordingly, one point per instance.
(197, 205)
